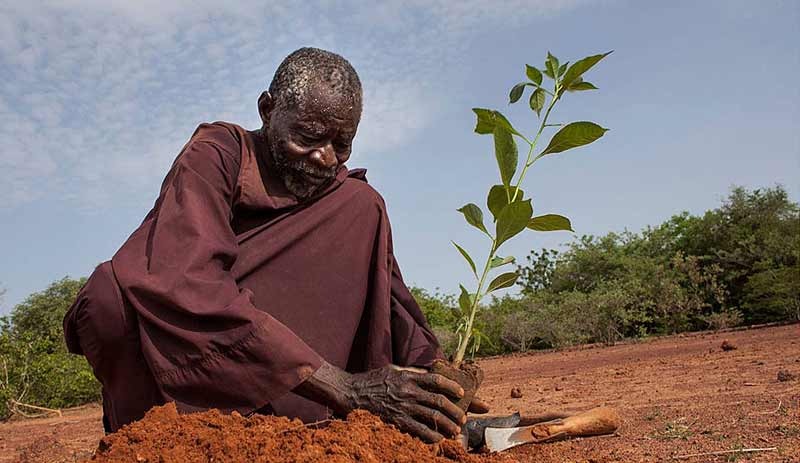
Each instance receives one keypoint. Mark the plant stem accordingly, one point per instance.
(462, 347)
(529, 162)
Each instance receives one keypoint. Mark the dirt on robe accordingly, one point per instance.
(165, 436)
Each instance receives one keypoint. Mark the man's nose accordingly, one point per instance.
(324, 156)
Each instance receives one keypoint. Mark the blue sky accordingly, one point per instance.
(97, 98)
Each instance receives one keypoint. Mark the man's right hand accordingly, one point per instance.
(415, 402)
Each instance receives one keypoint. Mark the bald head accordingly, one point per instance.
(309, 69)
(310, 116)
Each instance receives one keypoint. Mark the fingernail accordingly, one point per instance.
(461, 392)
(464, 419)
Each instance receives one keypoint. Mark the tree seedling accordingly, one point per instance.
(512, 213)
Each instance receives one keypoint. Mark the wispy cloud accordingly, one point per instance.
(100, 95)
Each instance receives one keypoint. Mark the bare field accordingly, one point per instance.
(677, 395)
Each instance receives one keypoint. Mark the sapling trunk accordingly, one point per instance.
(511, 212)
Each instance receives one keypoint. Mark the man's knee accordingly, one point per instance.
(103, 328)
(97, 325)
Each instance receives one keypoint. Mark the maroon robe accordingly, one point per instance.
(230, 293)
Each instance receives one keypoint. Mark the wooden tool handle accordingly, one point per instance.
(595, 422)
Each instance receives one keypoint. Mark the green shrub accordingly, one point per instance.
(773, 295)
(728, 318)
(35, 367)
(439, 309)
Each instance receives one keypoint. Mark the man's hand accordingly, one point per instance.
(477, 406)
(413, 401)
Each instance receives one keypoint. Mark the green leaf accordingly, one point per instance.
(498, 199)
(562, 69)
(500, 120)
(500, 261)
(573, 135)
(467, 257)
(533, 74)
(516, 92)
(477, 338)
(476, 344)
(512, 220)
(581, 66)
(465, 300)
(505, 150)
(488, 119)
(503, 281)
(474, 216)
(551, 63)
(550, 222)
(537, 100)
(581, 86)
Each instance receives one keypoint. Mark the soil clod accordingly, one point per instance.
(727, 346)
(786, 375)
(468, 375)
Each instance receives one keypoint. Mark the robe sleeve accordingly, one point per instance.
(205, 342)
(413, 342)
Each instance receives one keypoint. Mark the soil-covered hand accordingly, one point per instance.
(416, 402)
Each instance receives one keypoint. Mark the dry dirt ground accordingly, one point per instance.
(677, 395)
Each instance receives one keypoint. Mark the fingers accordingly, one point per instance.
(435, 420)
(411, 426)
(440, 402)
(478, 406)
(438, 383)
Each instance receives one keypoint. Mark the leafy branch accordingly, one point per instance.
(511, 212)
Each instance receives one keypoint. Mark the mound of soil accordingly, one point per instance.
(165, 436)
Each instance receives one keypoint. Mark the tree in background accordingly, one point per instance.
(734, 264)
(773, 294)
(35, 367)
(538, 274)
(755, 239)
(742, 258)
(442, 313)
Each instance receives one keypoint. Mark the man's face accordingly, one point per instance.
(309, 141)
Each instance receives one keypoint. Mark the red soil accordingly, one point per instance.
(677, 395)
(165, 436)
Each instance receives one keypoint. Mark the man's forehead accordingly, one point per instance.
(315, 111)
(327, 98)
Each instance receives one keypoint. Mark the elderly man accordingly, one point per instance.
(264, 280)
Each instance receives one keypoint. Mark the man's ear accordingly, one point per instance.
(265, 105)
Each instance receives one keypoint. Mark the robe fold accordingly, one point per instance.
(230, 293)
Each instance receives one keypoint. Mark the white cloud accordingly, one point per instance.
(102, 94)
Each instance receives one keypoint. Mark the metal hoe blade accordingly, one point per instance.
(499, 439)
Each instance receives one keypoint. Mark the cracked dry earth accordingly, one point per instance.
(677, 395)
